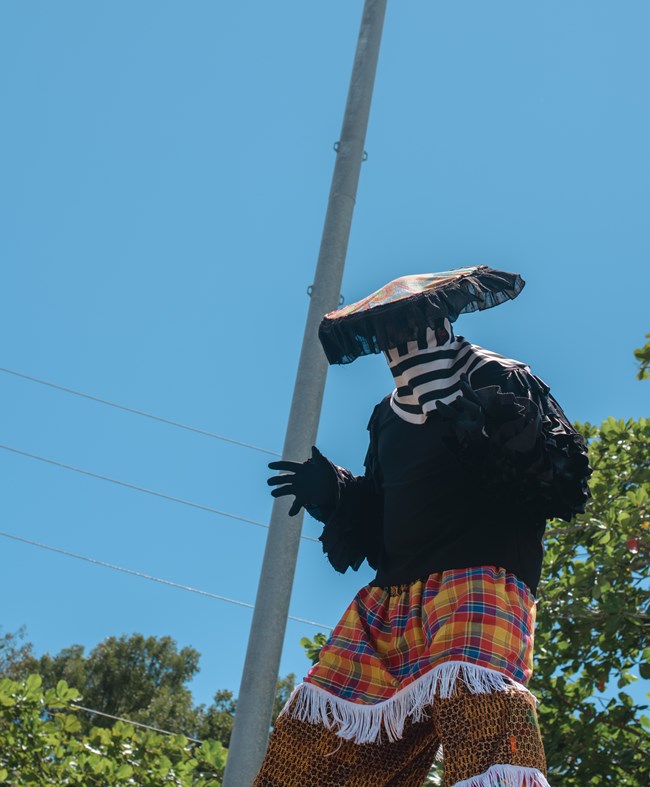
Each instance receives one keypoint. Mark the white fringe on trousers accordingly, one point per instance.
(506, 776)
(364, 723)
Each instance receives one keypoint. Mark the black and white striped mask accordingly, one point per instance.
(428, 371)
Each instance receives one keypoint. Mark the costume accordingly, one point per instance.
(468, 457)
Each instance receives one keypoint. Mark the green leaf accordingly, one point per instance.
(212, 752)
(33, 683)
(71, 723)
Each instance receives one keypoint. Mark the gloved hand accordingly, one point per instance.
(465, 415)
(313, 482)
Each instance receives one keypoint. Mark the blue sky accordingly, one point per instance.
(164, 176)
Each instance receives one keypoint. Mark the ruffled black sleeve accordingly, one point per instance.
(352, 531)
(531, 456)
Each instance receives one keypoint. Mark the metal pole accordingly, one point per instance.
(257, 691)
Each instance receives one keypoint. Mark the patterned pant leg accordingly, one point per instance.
(479, 731)
(309, 755)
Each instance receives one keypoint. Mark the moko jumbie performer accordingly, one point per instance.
(469, 456)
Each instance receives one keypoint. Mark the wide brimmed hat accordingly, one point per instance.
(403, 309)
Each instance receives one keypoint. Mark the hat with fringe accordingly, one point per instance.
(403, 309)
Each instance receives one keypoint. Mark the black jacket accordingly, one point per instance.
(430, 501)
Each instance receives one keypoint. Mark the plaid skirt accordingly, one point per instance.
(396, 649)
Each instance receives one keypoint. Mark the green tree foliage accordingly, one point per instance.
(593, 618)
(216, 722)
(642, 354)
(41, 744)
(16, 657)
(142, 679)
(313, 646)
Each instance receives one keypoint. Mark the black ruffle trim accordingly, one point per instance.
(533, 453)
(348, 538)
(387, 326)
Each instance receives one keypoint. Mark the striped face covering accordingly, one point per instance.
(428, 371)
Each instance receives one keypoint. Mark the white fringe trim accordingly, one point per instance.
(364, 723)
(506, 776)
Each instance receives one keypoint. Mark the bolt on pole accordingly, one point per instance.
(258, 685)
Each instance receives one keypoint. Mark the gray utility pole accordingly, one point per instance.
(257, 691)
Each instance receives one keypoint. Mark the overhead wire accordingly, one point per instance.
(145, 490)
(137, 488)
(150, 577)
(136, 411)
(94, 561)
(134, 723)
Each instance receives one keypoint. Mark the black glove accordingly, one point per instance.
(465, 415)
(313, 482)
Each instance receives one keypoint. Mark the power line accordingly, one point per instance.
(134, 723)
(135, 411)
(150, 577)
(129, 485)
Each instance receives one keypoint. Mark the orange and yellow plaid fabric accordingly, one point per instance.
(388, 638)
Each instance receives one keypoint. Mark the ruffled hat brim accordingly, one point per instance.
(403, 310)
